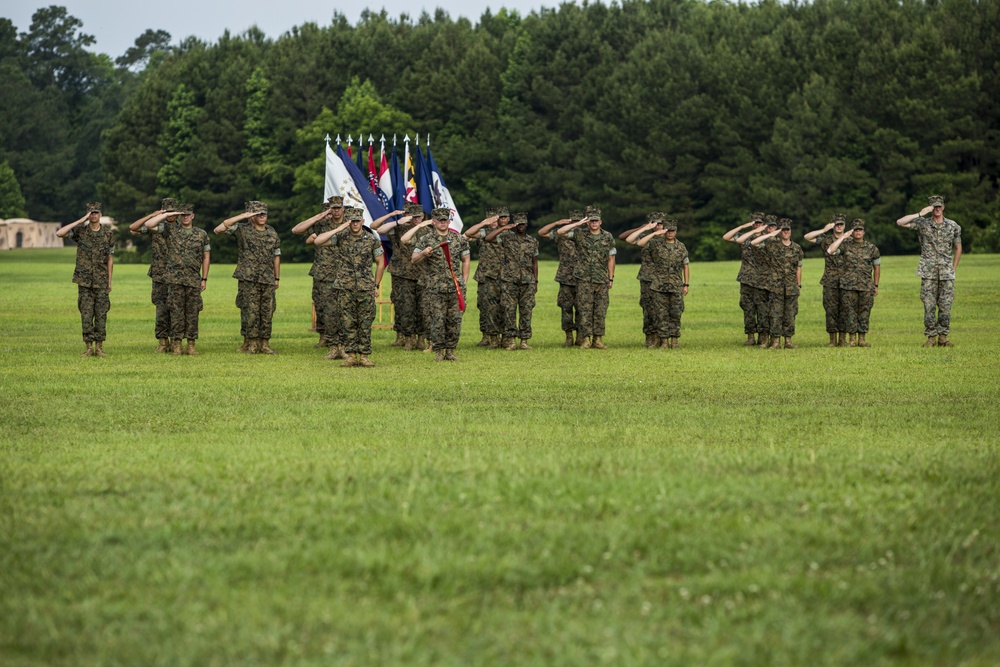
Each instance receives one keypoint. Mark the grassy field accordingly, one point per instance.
(712, 505)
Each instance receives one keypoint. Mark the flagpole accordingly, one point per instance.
(338, 139)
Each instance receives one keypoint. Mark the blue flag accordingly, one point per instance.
(371, 201)
(398, 187)
(423, 178)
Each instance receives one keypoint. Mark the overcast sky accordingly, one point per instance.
(117, 24)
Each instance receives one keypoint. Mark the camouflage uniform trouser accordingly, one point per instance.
(666, 309)
(159, 299)
(937, 295)
(94, 305)
(328, 320)
(754, 302)
(490, 310)
(184, 303)
(856, 310)
(592, 308)
(257, 309)
(783, 311)
(646, 303)
(833, 304)
(442, 318)
(517, 299)
(357, 312)
(404, 305)
(566, 300)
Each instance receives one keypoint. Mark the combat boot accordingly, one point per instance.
(509, 343)
(775, 343)
(788, 343)
(842, 339)
(252, 347)
(585, 345)
(330, 354)
(439, 355)
(579, 341)
(264, 348)
(931, 341)
(599, 344)
(649, 340)
(400, 340)
(862, 342)
(363, 360)
(833, 340)
(192, 350)
(175, 347)
(338, 352)
(99, 348)
(763, 340)
(245, 347)
(664, 343)
(162, 344)
(89, 352)
(942, 341)
(421, 345)
(484, 341)
(524, 345)
(449, 355)
(675, 342)
(569, 339)
(494, 343)
(348, 361)
(409, 342)
(852, 340)
(749, 341)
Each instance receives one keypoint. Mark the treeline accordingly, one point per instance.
(705, 110)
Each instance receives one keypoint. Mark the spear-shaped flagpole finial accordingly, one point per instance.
(327, 138)
(393, 140)
(416, 137)
(350, 141)
(427, 140)
(371, 139)
(407, 138)
(338, 139)
(382, 140)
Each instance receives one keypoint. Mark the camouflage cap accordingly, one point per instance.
(757, 216)
(185, 209)
(520, 218)
(503, 211)
(576, 214)
(935, 200)
(93, 206)
(653, 217)
(413, 208)
(441, 213)
(255, 206)
(169, 204)
(490, 212)
(593, 213)
(670, 225)
(785, 223)
(354, 213)
(335, 201)
(839, 219)
(858, 223)
(771, 220)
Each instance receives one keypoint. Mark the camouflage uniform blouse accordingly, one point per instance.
(936, 244)
(324, 266)
(859, 259)
(158, 251)
(186, 250)
(784, 260)
(356, 255)
(435, 276)
(645, 264)
(518, 253)
(400, 266)
(567, 259)
(832, 264)
(257, 250)
(92, 250)
(667, 262)
(489, 257)
(755, 266)
(592, 252)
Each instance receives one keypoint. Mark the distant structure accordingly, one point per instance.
(24, 233)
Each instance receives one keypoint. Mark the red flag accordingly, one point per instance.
(454, 278)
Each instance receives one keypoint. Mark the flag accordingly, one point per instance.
(409, 175)
(398, 193)
(441, 193)
(423, 180)
(346, 180)
(385, 179)
(360, 158)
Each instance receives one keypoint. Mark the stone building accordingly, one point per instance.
(24, 233)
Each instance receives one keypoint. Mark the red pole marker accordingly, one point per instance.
(454, 278)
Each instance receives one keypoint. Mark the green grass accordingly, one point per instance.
(712, 505)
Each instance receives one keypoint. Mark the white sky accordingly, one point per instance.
(116, 24)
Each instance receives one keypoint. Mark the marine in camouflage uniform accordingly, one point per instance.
(323, 271)
(595, 252)
(668, 271)
(940, 253)
(355, 286)
(654, 221)
(831, 278)
(518, 279)
(566, 298)
(257, 270)
(405, 293)
(785, 257)
(157, 264)
(442, 316)
(859, 274)
(753, 276)
(488, 276)
(185, 274)
(95, 247)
